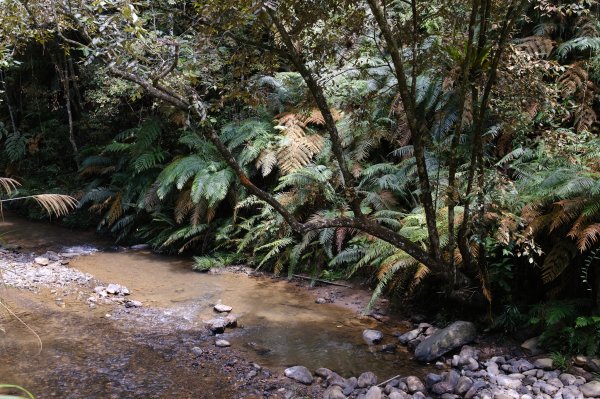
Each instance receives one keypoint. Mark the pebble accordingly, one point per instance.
(222, 343)
(222, 308)
(42, 261)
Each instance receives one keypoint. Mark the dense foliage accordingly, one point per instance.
(438, 148)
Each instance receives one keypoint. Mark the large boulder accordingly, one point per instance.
(455, 335)
(591, 389)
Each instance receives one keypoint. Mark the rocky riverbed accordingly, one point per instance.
(116, 340)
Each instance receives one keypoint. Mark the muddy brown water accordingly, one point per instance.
(145, 352)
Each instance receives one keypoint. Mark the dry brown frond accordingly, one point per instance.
(588, 237)
(557, 261)
(536, 46)
(56, 204)
(116, 209)
(8, 185)
(572, 80)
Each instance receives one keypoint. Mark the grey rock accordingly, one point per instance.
(544, 363)
(451, 337)
(485, 394)
(372, 336)
(591, 389)
(133, 304)
(430, 330)
(219, 307)
(196, 351)
(548, 389)
(580, 372)
(373, 393)
(222, 343)
(475, 388)
(521, 365)
(409, 336)
(323, 372)
(556, 382)
(334, 392)
(463, 385)
(300, 374)
(139, 247)
(493, 369)
(419, 395)
(231, 321)
(336, 379)
(567, 379)
(508, 382)
(503, 395)
(320, 300)
(398, 395)
(40, 260)
(468, 351)
(414, 384)
(351, 384)
(443, 387)
(367, 379)
(217, 326)
(473, 364)
(431, 379)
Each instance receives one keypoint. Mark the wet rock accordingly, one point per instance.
(409, 336)
(455, 335)
(40, 260)
(388, 348)
(373, 393)
(222, 308)
(591, 389)
(367, 379)
(117, 289)
(544, 363)
(222, 343)
(133, 304)
(372, 336)
(217, 326)
(414, 384)
(300, 374)
(231, 321)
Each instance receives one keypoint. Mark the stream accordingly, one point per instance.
(110, 351)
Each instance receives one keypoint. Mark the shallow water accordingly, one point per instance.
(281, 324)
